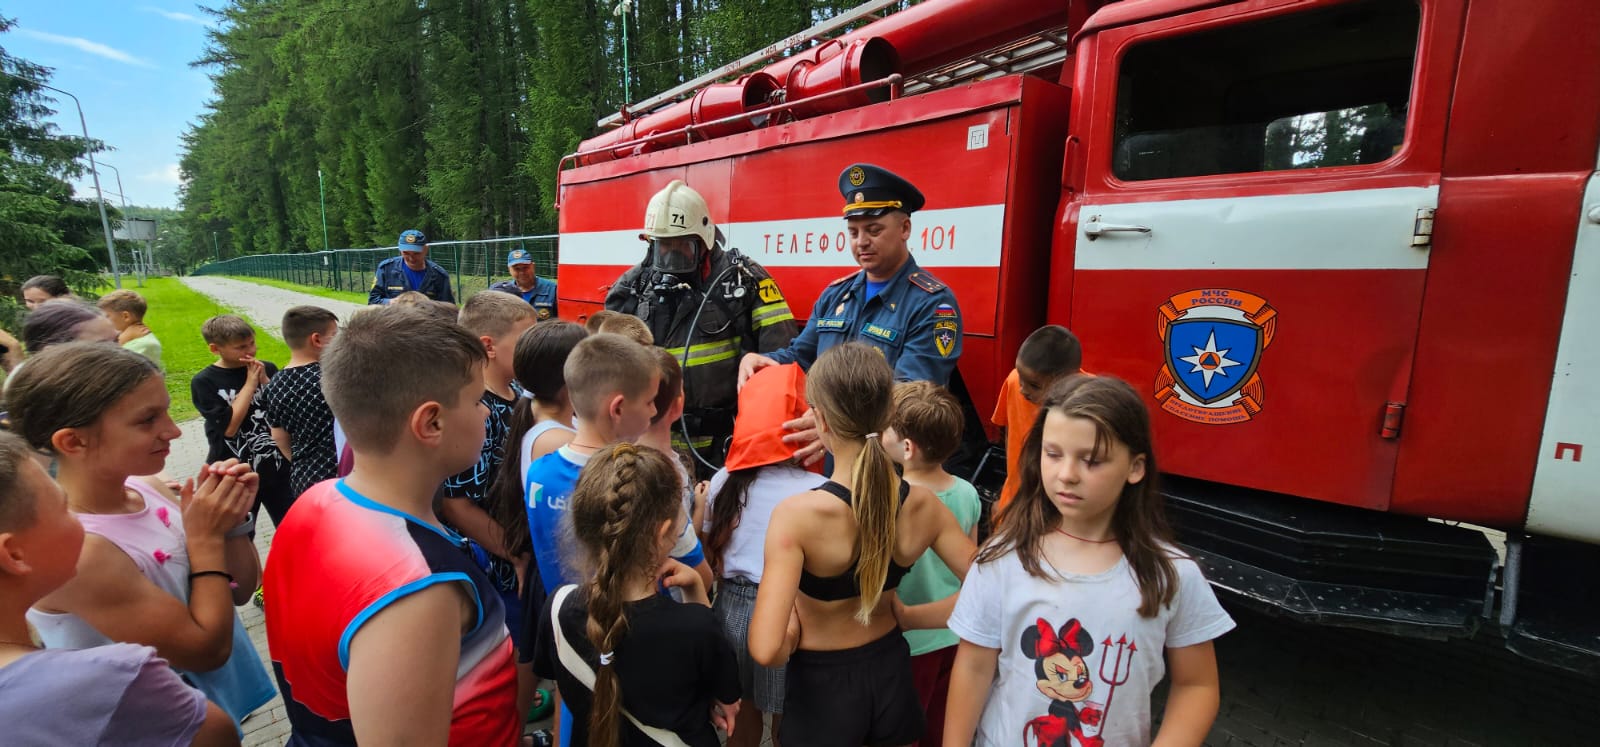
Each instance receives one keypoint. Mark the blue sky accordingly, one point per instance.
(128, 62)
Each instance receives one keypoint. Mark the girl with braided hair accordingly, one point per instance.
(832, 560)
(634, 666)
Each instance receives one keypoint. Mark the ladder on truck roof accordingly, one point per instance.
(819, 32)
(1036, 51)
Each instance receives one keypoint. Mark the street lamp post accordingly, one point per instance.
(105, 223)
(215, 246)
(138, 261)
(322, 197)
(621, 11)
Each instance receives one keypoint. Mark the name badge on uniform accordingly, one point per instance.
(830, 324)
(883, 333)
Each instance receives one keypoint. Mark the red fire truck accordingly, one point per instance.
(1349, 249)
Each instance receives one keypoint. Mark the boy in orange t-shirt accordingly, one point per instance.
(1048, 354)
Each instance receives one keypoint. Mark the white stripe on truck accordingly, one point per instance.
(1566, 481)
(953, 237)
(1364, 229)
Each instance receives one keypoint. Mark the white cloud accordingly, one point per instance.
(167, 175)
(89, 47)
(174, 16)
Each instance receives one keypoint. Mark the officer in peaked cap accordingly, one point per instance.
(890, 303)
(525, 284)
(411, 271)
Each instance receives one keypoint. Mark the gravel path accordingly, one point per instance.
(264, 304)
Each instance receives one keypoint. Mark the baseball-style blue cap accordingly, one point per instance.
(519, 257)
(413, 241)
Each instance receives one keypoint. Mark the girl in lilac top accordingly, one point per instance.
(155, 569)
(120, 694)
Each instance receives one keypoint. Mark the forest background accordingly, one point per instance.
(444, 115)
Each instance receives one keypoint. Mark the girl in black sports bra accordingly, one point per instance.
(834, 556)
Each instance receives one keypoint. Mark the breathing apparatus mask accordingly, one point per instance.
(678, 255)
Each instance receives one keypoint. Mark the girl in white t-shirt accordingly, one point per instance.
(760, 473)
(1066, 613)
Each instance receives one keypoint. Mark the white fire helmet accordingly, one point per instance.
(676, 211)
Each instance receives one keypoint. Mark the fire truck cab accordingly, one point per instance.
(1349, 249)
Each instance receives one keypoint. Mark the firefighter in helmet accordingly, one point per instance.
(705, 304)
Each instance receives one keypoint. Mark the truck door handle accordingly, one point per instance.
(1093, 228)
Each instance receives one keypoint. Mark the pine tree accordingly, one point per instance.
(43, 227)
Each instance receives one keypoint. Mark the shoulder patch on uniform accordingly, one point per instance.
(846, 278)
(767, 289)
(926, 282)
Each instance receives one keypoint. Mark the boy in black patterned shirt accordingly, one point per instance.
(228, 395)
(497, 320)
(302, 424)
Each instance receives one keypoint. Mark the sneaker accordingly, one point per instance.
(258, 599)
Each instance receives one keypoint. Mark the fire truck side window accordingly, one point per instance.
(1301, 91)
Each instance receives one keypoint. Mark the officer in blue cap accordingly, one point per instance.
(891, 303)
(411, 271)
(541, 292)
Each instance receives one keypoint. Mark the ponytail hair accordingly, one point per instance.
(622, 497)
(537, 360)
(851, 387)
(1139, 520)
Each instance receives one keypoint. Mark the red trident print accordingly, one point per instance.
(1120, 668)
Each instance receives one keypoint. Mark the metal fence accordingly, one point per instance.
(473, 265)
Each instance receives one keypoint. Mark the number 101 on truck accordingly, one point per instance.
(1348, 249)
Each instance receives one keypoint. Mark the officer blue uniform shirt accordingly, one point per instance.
(912, 317)
(393, 277)
(914, 320)
(543, 294)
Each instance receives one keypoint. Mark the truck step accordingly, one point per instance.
(1557, 613)
(1336, 565)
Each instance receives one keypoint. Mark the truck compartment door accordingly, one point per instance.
(1252, 239)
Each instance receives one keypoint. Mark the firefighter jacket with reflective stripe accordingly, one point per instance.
(742, 312)
(391, 281)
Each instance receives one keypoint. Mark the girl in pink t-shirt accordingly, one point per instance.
(115, 694)
(157, 569)
(1076, 608)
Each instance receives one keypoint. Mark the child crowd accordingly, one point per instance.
(471, 502)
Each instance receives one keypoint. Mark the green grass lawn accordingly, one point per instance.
(175, 316)
(315, 290)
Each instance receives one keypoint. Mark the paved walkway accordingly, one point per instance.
(264, 304)
(270, 725)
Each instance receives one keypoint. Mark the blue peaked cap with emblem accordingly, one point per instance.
(413, 241)
(519, 257)
(870, 191)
